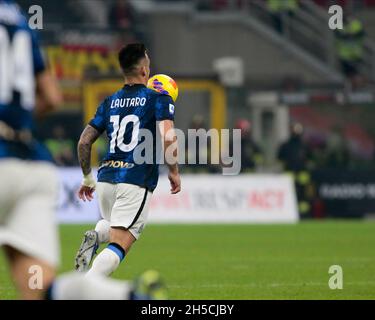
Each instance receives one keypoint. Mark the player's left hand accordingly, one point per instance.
(86, 193)
(87, 188)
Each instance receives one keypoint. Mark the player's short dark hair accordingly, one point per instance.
(130, 55)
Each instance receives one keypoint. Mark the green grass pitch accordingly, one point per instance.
(244, 261)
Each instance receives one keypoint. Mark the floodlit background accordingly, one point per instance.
(302, 95)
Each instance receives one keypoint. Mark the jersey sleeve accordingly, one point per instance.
(99, 120)
(164, 109)
(39, 64)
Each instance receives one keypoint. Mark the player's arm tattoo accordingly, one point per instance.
(88, 137)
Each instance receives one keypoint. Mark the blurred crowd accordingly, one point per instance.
(295, 154)
(349, 41)
(61, 147)
(300, 155)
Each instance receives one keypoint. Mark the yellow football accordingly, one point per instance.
(164, 84)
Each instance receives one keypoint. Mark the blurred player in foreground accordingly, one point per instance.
(28, 184)
(125, 185)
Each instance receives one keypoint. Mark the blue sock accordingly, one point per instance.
(116, 248)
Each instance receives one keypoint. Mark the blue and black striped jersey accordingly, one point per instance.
(123, 115)
(20, 61)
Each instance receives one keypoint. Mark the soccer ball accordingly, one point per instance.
(163, 84)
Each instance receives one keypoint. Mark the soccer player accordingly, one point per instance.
(124, 186)
(28, 183)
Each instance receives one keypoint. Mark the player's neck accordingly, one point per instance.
(134, 81)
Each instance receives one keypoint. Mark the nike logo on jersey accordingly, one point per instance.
(128, 102)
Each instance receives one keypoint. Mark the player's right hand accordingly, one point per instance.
(174, 179)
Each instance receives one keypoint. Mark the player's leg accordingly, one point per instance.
(86, 251)
(93, 238)
(91, 241)
(102, 229)
(30, 276)
(28, 231)
(128, 217)
(110, 258)
(75, 286)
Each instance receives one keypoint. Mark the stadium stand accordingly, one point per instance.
(291, 72)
